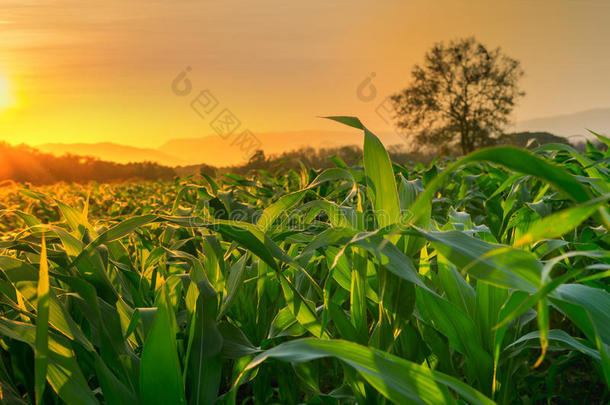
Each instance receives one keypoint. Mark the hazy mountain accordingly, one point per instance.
(568, 125)
(112, 152)
(217, 151)
(213, 149)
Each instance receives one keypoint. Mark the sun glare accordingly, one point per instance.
(6, 98)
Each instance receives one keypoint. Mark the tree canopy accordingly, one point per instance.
(462, 94)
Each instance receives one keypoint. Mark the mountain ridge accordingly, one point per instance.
(570, 124)
(111, 151)
(225, 151)
(218, 151)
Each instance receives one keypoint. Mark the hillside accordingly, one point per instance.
(222, 152)
(111, 152)
(24, 164)
(214, 150)
(568, 125)
(217, 151)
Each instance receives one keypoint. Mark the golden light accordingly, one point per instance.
(6, 98)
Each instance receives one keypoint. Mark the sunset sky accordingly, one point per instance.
(83, 71)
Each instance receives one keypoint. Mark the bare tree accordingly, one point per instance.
(462, 93)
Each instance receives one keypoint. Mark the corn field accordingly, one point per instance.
(480, 280)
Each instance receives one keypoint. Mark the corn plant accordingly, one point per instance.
(480, 280)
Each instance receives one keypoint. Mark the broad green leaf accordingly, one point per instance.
(460, 330)
(399, 380)
(498, 265)
(204, 361)
(41, 352)
(561, 338)
(236, 278)
(160, 376)
(514, 159)
(115, 392)
(559, 223)
(63, 372)
(381, 184)
(589, 309)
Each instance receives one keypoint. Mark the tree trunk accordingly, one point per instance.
(465, 143)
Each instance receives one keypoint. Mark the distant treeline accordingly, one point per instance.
(24, 164)
(322, 157)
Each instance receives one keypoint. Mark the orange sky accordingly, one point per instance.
(84, 71)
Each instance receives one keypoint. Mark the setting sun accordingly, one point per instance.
(6, 98)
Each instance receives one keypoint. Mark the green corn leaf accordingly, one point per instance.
(559, 223)
(204, 361)
(41, 351)
(160, 376)
(589, 309)
(63, 372)
(498, 265)
(399, 380)
(511, 158)
(460, 330)
(115, 392)
(236, 278)
(381, 184)
(561, 338)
